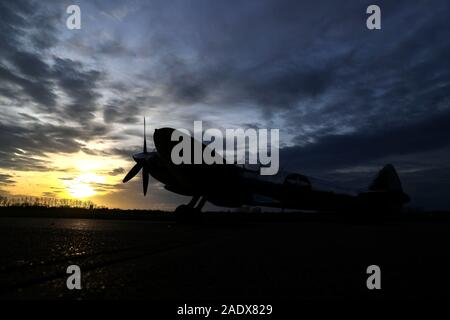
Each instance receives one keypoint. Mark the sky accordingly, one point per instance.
(347, 100)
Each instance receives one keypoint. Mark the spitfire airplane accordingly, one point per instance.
(231, 185)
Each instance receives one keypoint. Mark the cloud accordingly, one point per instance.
(49, 90)
(25, 147)
(40, 92)
(6, 179)
(335, 151)
(117, 171)
(121, 111)
(80, 86)
(27, 31)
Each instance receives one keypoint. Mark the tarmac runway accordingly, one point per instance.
(124, 259)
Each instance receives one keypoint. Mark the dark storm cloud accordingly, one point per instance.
(79, 85)
(30, 65)
(38, 80)
(121, 111)
(129, 108)
(24, 27)
(39, 91)
(336, 151)
(28, 30)
(21, 145)
(312, 64)
(30, 78)
(13, 22)
(237, 51)
(31, 20)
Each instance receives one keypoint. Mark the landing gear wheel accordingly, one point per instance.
(186, 214)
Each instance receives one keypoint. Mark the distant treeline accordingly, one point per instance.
(46, 202)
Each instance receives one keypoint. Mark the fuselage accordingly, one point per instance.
(235, 186)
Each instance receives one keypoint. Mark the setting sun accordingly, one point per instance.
(77, 176)
(81, 190)
(83, 185)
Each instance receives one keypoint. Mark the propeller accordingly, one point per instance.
(142, 160)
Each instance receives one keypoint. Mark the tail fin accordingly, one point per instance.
(387, 180)
(385, 191)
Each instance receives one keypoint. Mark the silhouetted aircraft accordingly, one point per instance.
(231, 185)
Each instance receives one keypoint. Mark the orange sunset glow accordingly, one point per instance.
(73, 176)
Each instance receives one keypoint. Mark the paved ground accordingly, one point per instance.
(257, 261)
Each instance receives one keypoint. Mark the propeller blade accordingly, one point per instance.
(145, 139)
(134, 171)
(145, 179)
